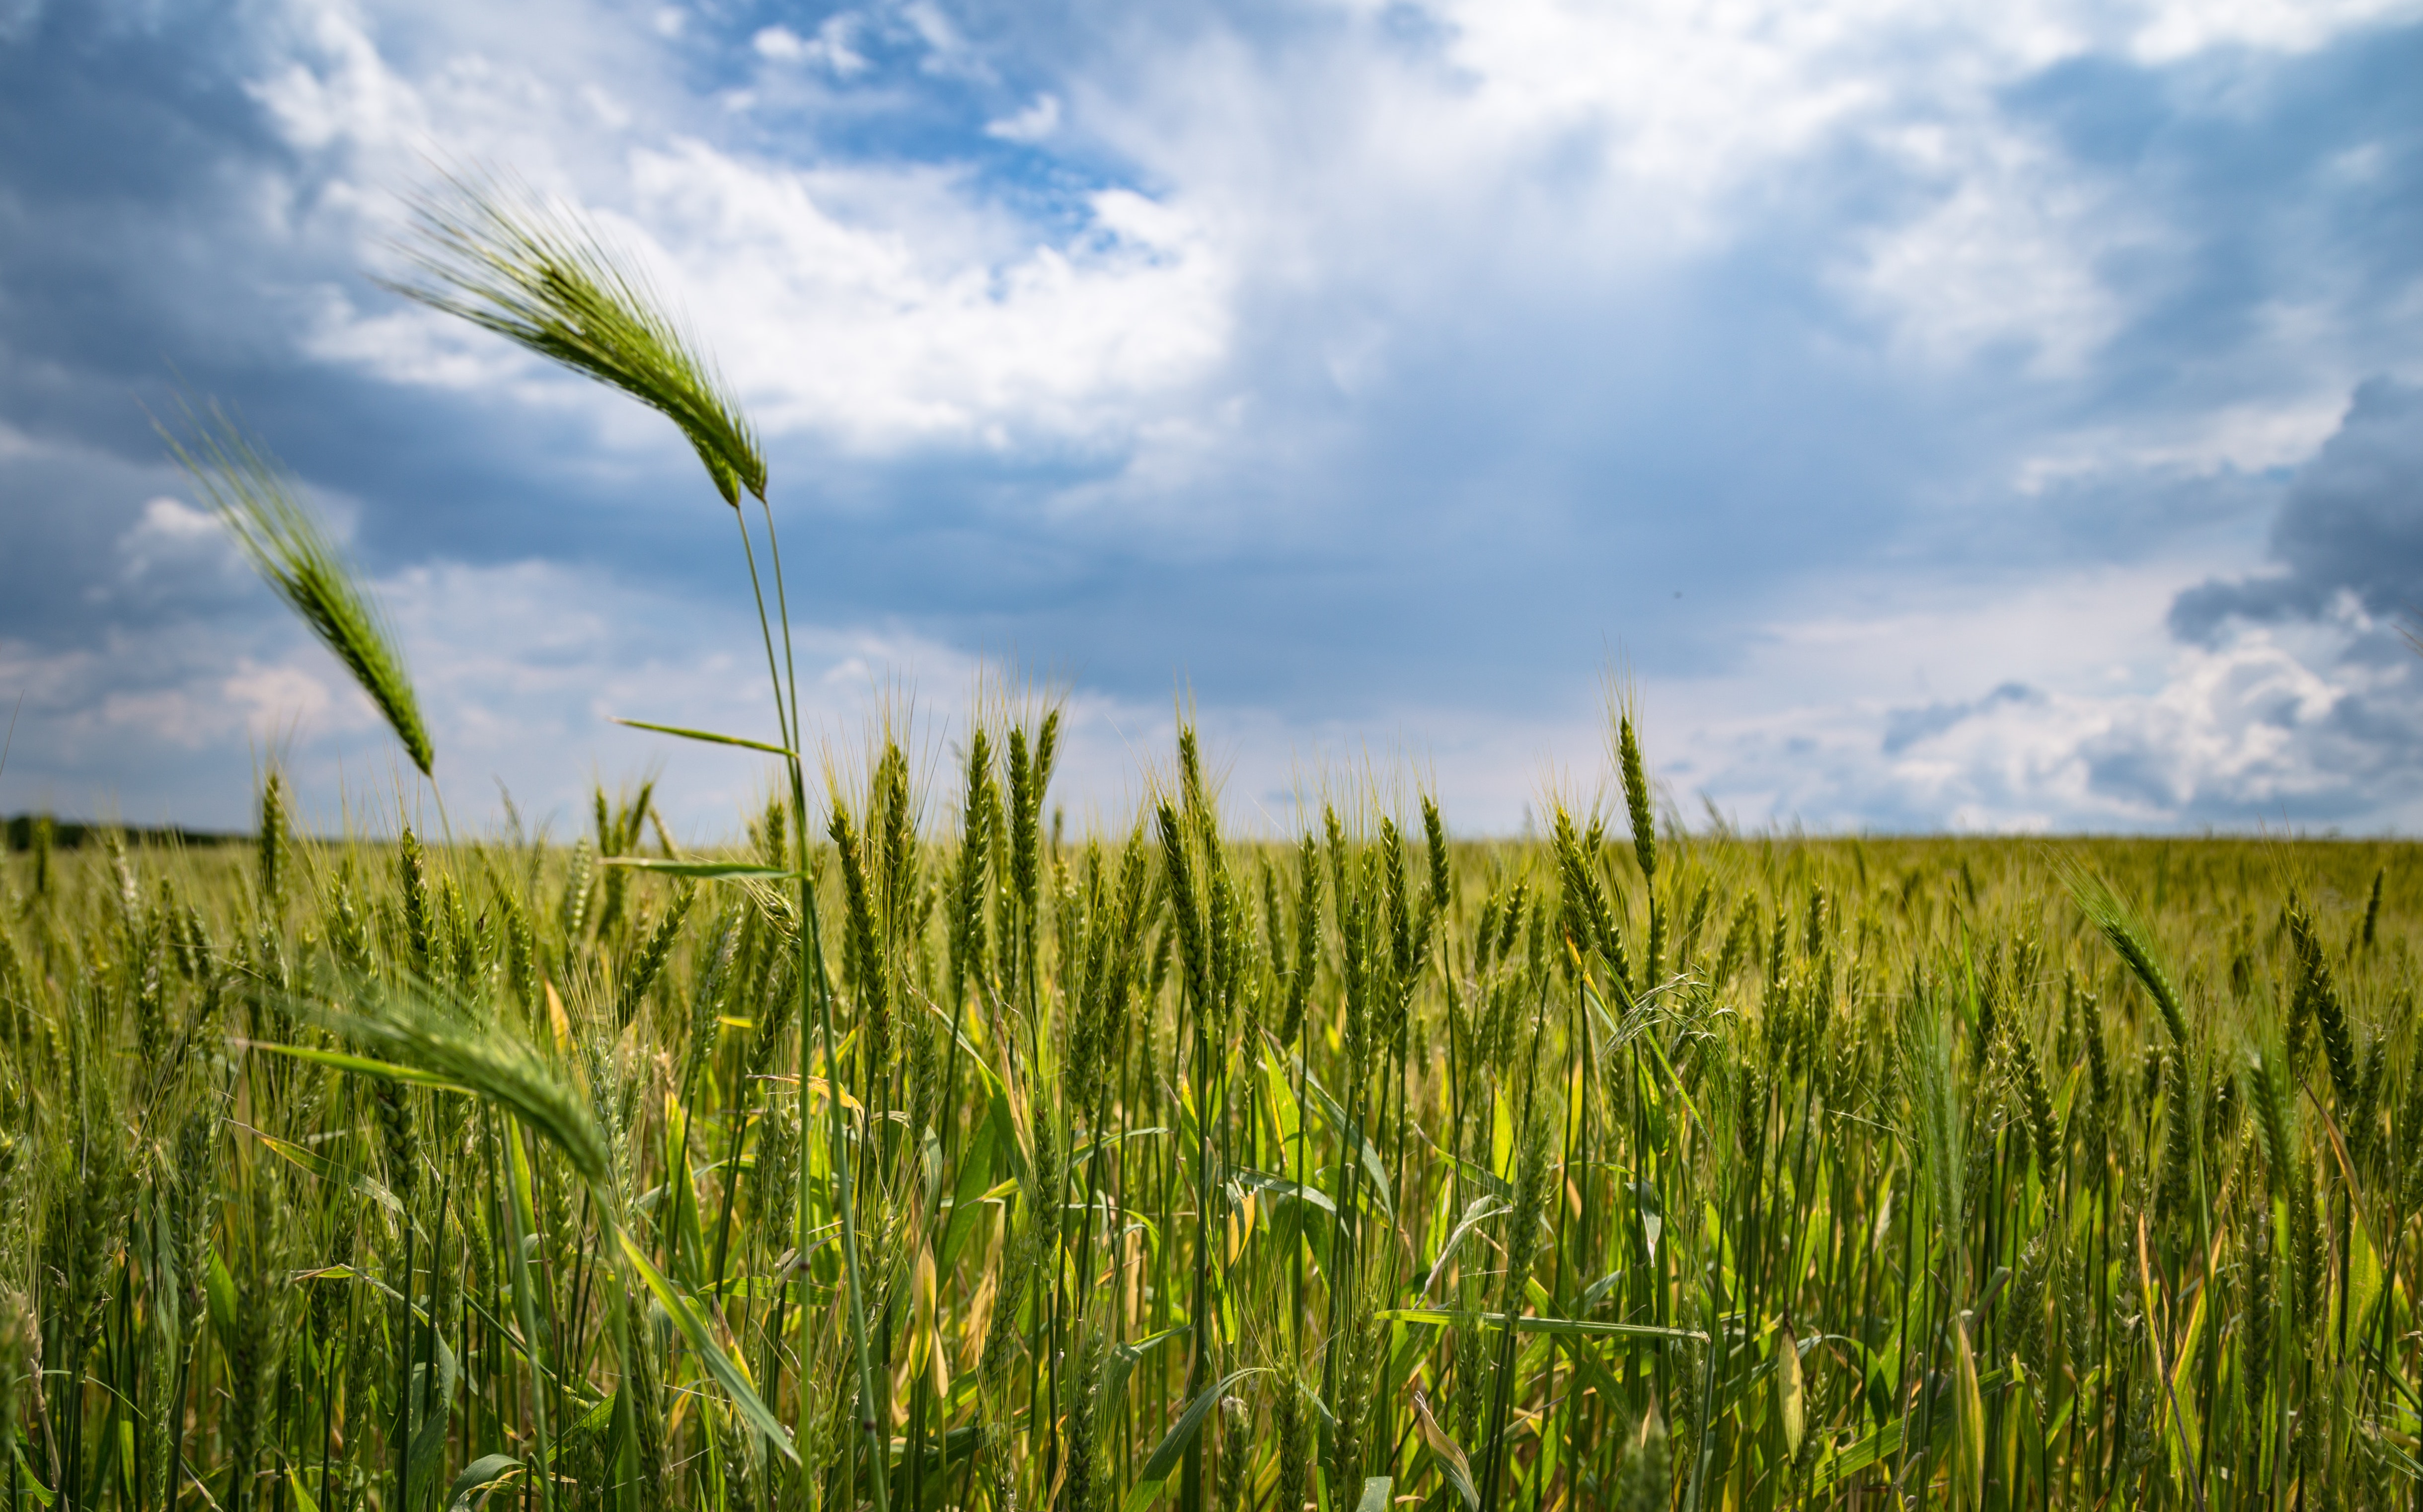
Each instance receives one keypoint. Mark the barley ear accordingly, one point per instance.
(290, 546)
(541, 277)
(2131, 940)
(413, 1032)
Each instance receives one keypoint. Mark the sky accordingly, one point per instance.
(2002, 417)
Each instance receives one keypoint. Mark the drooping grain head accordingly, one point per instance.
(542, 277)
(297, 556)
(2133, 942)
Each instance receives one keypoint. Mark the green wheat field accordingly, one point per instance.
(910, 1150)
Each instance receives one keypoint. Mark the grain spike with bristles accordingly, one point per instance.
(1307, 939)
(271, 842)
(2316, 993)
(650, 961)
(292, 549)
(541, 277)
(2105, 911)
(1636, 799)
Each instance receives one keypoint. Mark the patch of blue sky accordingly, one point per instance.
(894, 84)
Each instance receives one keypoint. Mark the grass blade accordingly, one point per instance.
(704, 870)
(711, 736)
(1181, 1433)
(1580, 1327)
(482, 1474)
(721, 1366)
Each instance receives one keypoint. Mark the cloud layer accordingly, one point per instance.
(1902, 397)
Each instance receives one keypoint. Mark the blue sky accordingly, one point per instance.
(2007, 417)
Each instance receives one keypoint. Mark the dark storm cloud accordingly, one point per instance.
(2352, 525)
(2295, 180)
(131, 216)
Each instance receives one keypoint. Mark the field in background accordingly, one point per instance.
(1611, 1170)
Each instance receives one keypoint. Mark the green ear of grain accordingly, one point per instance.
(1637, 796)
(2129, 939)
(411, 1036)
(543, 278)
(290, 546)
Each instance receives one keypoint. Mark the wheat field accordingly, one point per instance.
(1641, 1170)
(912, 1152)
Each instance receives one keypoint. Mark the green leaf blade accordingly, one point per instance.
(709, 737)
(727, 1374)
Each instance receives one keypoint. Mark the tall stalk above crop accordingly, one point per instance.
(543, 278)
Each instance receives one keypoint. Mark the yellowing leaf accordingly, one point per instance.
(1450, 1458)
(927, 1311)
(1788, 1395)
(557, 1018)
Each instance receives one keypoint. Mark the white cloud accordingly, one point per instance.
(173, 535)
(2180, 28)
(932, 326)
(2094, 717)
(2250, 437)
(412, 346)
(1687, 96)
(521, 669)
(1519, 145)
(832, 48)
(1035, 123)
(892, 334)
(1840, 719)
(287, 695)
(780, 43)
(885, 307)
(335, 85)
(162, 695)
(2229, 729)
(2006, 256)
